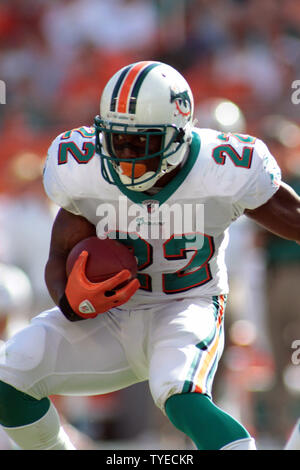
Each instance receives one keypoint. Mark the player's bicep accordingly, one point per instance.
(68, 229)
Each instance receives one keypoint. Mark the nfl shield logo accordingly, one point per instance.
(151, 205)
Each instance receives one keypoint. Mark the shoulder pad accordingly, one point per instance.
(67, 150)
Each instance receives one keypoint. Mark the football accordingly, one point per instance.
(106, 258)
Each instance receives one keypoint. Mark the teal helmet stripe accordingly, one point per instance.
(137, 86)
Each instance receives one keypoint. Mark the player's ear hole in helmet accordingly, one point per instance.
(152, 102)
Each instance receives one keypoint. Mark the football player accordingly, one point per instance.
(167, 326)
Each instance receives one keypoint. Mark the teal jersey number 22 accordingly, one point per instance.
(194, 273)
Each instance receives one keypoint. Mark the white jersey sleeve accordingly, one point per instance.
(54, 187)
(263, 182)
(63, 172)
(238, 168)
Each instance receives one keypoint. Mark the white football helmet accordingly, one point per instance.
(145, 98)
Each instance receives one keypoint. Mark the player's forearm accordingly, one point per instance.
(55, 278)
(283, 225)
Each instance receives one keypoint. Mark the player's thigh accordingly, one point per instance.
(187, 343)
(55, 356)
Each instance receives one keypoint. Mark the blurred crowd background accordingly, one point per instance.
(241, 58)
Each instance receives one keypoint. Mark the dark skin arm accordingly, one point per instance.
(68, 229)
(281, 214)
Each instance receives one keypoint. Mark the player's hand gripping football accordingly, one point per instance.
(89, 299)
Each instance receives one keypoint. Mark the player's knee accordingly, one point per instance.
(162, 390)
(26, 350)
(165, 375)
(18, 408)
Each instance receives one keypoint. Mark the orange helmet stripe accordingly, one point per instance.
(127, 85)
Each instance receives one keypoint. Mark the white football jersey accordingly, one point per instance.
(178, 234)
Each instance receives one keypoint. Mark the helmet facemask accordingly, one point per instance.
(129, 170)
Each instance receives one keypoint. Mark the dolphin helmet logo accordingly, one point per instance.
(182, 101)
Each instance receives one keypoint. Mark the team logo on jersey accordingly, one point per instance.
(182, 102)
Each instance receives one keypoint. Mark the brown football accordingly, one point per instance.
(106, 258)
